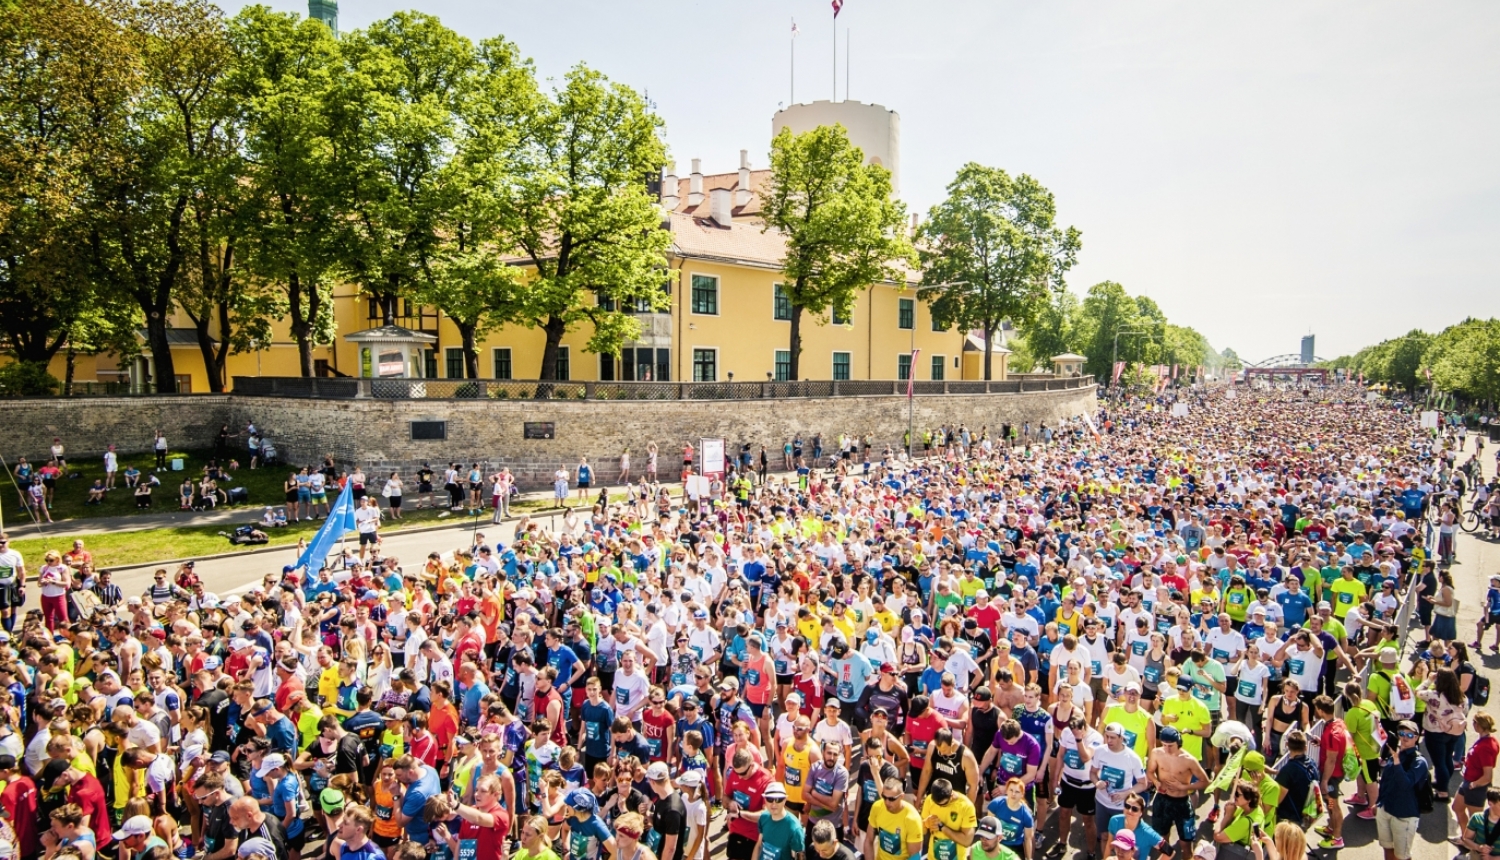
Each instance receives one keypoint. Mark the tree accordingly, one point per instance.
(280, 82)
(68, 70)
(393, 127)
(580, 216)
(1107, 311)
(843, 230)
(991, 252)
(1465, 359)
(1054, 331)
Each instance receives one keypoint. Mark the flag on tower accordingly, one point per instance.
(837, 5)
(795, 29)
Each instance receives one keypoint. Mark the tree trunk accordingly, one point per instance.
(554, 328)
(68, 376)
(794, 344)
(302, 323)
(471, 355)
(206, 347)
(162, 368)
(989, 350)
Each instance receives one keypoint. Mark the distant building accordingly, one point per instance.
(1307, 349)
(326, 11)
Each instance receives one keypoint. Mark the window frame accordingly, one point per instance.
(776, 365)
(906, 314)
(564, 364)
(903, 359)
(848, 365)
(938, 367)
(710, 350)
(451, 353)
(778, 297)
(693, 295)
(510, 367)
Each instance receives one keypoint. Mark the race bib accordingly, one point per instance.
(1295, 667)
(742, 800)
(1346, 598)
(1238, 599)
(1139, 647)
(593, 730)
(781, 667)
(1114, 776)
(1153, 674)
(622, 696)
(890, 843)
(468, 849)
(752, 677)
(944, 849)
(1130, 738)
(1072, 760)
(1012, 764)
(871, 791)
(1248, 689)
(1220, 656)
(1096, 667)
(846, 690)
(793, 776)
(654, 744)
(1009, 832)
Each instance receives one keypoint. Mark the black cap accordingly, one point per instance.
(50, 772)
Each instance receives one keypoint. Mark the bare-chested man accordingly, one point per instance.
(1175, 775)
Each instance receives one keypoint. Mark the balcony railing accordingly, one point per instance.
(510, 389)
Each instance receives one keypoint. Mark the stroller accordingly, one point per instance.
(268, 455)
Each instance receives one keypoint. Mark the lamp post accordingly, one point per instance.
(911, 367)
(1115, 355)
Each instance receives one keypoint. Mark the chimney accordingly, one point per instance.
(695, 184)
(669, 188)
(742, 194)
(722, 211)
(915, 218)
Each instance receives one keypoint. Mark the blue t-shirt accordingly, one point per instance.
(1013, 822)
(283, 736)
(596, 721)
(1294, 607)
(562, 659)
(1146, 837)
(586, 838)
(417, 794)
(473, 697)
(779, 840)
(285, 800)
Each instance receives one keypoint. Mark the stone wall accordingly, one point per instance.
(377, 433)
(89, 425)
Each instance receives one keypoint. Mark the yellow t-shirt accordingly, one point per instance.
(1192, 715)
(811, 630)
(328, 685)
(894, 830)
(889, 621)
(1346, 593)
(1135, 727)
(957, 814)
(797, 765)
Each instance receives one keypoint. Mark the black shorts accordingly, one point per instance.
(300, 840)
(1167, 812)
(1491, 620)
(10, 595)
(1079, 799)
(740, 847)
(583, 485)
(366, 538)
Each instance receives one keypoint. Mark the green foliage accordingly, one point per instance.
(992, 252)
(26, 379)
(578, 211)
(1465, 359)
(844, 232)
(1055, 329)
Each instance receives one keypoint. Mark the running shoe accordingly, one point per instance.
(1366, 814)
(1331, 844)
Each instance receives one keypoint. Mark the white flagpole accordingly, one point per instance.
(847, 40)
(794, 64)
(835, 55)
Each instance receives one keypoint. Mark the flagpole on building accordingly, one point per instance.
(847, 40)
(794, 64)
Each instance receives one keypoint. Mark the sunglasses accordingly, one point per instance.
(890, 798)
(625, 831)
(775, 800)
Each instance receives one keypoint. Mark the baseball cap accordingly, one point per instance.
(396, 714)
(211, 662)
(1125, 839)
(1169, 735)
(581, 799)
(658, 772)
(1388, 657)
(1254, 762)
(690, 779)
(220, 757)
(1407, 726)
(989, 828)
(332, 800)
(239, 643)
(270, 763)
(137, 825)
(1115, 729)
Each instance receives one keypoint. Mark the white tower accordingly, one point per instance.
(875, 129)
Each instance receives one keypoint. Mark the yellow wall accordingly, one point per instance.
(744, 333)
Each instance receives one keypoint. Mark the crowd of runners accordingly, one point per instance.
(1138, 634)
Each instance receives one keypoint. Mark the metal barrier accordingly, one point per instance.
(346, 388)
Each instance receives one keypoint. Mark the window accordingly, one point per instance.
(663, 364)
(903, 366)
(429, 359)
(783, 363)
(782, 305)
(455, 361)
(366, 362)
(564, 371)
(906, 313)
(705, 364)
(502, 363)
(705, 294)
(840, 366)
(606, 367)
(842, 319)
(938, 363)
(936, 326)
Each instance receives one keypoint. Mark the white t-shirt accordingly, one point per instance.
(366, 520)
(1073, 767)
(835, 734)
(630, 691)
(1224, 646)
(1120, 769)
(1305, 667)
(1251, 686)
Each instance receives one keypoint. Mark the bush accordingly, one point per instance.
(27, 379)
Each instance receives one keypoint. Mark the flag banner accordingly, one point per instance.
(340, 520)
(1090, 422)
(1119, 369)
(837, 5)
(795, 29)
(1174, 371)
(911, 370)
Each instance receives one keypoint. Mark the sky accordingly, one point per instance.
(1261, 170)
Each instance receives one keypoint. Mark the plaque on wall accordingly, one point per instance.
(539, 430)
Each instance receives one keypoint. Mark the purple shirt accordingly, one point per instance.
(1013, 757)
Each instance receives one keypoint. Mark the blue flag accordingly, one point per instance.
(340, 521)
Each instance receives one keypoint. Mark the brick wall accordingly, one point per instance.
(88, 425)
(377, 433)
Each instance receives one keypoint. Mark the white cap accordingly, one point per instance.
(270, 763)
(137, 825)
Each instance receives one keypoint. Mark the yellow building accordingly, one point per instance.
(727, 317)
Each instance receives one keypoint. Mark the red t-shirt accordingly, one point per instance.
(469, 647)
(1480, 756)
(747, 791)
(443, 723)
(489, 841)
(988, 618)
(89, 795)
(812, 695)
(922, 730)
(1335, 742)
(762, 673)
(655, 729)
(424, 748)
(19, 800)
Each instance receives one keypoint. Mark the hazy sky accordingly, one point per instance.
(1261, 170)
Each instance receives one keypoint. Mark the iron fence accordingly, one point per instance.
(346, 388)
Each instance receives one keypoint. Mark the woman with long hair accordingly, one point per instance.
(1445, 609)
(1443, 725)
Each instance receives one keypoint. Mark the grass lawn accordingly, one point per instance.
(147, 545)
(69, 500)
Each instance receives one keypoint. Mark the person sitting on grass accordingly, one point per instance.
(96, 493)
(132, 477)
(185, 495)
(143, 495)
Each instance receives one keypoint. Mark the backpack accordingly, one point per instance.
(1479, 690)
(1403, 700)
